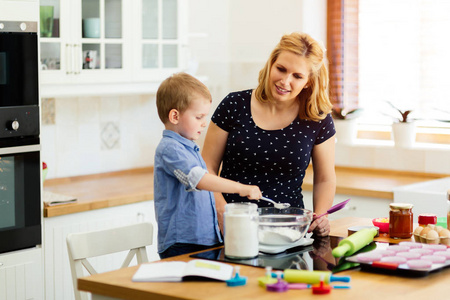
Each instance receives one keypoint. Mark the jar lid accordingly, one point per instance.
(241, 208)
(427, 219)
(401, 205)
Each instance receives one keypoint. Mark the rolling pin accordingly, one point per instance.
(355, 242)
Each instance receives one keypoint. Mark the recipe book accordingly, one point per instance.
(176, 271)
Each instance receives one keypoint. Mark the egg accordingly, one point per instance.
(432, 237)
(423, 234)
(417, 232)
(438, 228)
(432, 226)
(445, 233)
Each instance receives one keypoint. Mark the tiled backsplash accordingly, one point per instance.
(82, 136)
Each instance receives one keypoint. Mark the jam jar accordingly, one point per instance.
(426, 219)
(400, 220)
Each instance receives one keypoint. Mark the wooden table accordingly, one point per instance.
(364, 285)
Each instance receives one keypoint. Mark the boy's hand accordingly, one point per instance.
(251, 192)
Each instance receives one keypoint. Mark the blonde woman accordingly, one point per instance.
(268, 136)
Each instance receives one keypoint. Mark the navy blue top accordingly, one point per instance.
(183, 213)
(274, 160)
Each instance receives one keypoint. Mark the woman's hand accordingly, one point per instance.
(320, 226)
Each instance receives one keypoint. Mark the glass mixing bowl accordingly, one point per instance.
(283, 226)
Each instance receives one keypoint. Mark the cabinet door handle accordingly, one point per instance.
(77, 58)
(69, 58)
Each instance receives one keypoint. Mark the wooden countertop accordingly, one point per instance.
(136, 185)
(363, 284)
(101, 190)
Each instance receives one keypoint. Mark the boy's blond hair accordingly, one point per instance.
(177, 92)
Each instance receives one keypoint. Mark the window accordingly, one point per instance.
(402, 59)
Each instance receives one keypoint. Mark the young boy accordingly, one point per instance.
(184, 202)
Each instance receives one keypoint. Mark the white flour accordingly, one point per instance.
(279, 236)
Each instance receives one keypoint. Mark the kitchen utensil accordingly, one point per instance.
(311, 277)
(333, 209)
(275, 204)
(282, 226)
(355, 242)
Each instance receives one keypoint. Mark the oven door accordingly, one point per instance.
(20, 199)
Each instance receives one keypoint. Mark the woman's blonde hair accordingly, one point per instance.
(314, 101)
(177, 92)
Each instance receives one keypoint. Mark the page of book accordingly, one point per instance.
(176, 271)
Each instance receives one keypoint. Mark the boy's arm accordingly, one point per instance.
(215, 183)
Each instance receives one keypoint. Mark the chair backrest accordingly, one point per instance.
(82, 246)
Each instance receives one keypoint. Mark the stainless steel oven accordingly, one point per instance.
(20, 163)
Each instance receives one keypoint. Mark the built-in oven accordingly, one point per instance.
(20, 163)
(20, 205)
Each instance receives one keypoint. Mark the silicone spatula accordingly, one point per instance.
(333, 209)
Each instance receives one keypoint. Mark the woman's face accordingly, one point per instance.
(288, 76)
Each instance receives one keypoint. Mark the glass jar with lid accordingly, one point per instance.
(400, 220)
(241, 230)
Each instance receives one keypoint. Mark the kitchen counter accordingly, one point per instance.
(136, 185)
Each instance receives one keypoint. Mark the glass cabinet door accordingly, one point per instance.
(50, 13)
(102, 40)
(79, 39)
(160, 36)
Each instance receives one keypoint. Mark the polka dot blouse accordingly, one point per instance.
(274, 160)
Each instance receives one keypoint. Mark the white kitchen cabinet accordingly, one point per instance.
(86, 41)
(21, 275)
(115, 42)
(358, 206)
(58, 280)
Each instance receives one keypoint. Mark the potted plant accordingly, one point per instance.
(404, 128)
(345, 124)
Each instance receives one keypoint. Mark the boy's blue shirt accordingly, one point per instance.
(184, 214)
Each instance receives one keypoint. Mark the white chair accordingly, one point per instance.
(96, 243)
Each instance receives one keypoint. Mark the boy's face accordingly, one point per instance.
(194, 120)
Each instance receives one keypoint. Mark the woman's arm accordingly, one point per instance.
(213, 150)
(324, 186)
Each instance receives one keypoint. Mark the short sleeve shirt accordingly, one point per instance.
(274, 160)
(183, 213)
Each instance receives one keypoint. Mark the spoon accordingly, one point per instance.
(275, 204)
(333, 209)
